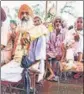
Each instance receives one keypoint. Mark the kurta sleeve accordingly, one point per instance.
(40, 52)
(4, 35)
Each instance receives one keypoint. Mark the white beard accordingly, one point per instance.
(27, 24)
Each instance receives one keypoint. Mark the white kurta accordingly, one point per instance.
(12, 71)
(69, 39)
(38, 52)
(4, 34)
(4, 39)
(38, 49)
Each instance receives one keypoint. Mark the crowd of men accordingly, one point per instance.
(41, 45)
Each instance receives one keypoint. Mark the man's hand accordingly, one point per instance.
(2, 47)
(63, 59)
(25, 38)
(13, 35)
(24, 41)
(51, 54)
(58, 57)
(76, 37)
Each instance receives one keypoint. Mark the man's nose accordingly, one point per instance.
(24, 15)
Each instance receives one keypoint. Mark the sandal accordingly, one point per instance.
(78, 75)
(50, 77)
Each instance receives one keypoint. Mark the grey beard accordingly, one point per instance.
(27, 24)
(24, 23)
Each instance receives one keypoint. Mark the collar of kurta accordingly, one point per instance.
(59, 32)
(80, 32)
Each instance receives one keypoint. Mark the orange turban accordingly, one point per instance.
(25, 8)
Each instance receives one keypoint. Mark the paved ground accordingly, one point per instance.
(55, 88)
(70, 86)
(66, 87)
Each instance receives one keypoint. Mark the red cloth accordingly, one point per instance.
(15, 42)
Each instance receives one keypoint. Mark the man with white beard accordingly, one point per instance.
(13, 71)
(9, 71)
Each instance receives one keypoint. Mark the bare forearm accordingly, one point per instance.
(80, 57)
(63, 52)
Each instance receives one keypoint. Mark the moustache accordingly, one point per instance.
(24, 19)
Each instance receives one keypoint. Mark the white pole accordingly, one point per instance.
(56, 8)
(46, 8)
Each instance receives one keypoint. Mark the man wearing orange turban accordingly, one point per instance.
(25, 15)
(14, 66)
(27, 29)
(24, 32)
(25, 9)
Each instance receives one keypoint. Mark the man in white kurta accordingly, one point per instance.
(13, 71)
(77, 46)
(74, 43)
(38, 49)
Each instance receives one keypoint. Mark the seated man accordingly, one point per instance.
(75, 39)
(7, 51)
(37, 51)
(54, 45)
(21, 47)
(73, 44)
